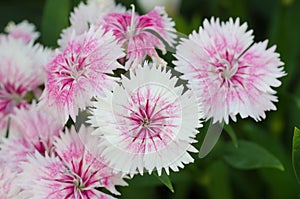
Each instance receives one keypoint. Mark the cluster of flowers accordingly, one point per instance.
(139, 122)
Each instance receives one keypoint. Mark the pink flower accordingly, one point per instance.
(21, 73)
(24, 31)
(79, 72)
(229, 73)
(30, 131)
(139, 34)
(147, 123)
(77, 171)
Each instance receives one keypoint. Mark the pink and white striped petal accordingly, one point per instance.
(8, 187)
(3, 126)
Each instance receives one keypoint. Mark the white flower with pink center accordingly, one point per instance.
(31, 130)
(21, 71)
(229, 73)
(21, 74)
(140, 35)
(23, 30)
(79, 72)
(147, 122)
(78, 170)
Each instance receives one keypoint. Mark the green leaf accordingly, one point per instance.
(249, 155)
(272, 177)
(164, 178)
(232, 135)
(219, 179)
(296, 153)
(55, 18)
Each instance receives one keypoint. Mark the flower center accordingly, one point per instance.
(146, 123)
(12, 96)
(16, 99)
(229, 70)
(74, 72)
(74, 68)
(78, 183)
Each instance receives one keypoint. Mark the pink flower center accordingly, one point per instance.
(78, 183)
(150, 116)
(75, 67)
(227, 68)
(11, 96)
(70, 70)
(147, 122)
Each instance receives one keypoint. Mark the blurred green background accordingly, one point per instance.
(212, 177)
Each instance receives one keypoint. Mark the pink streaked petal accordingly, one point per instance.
(161, 24)
(69, 147)
(3, 126)
(14, 151)
(41, 175)
(261, 62)
(23, 30)
(8, 187)
(23, 62)
(31, 130)
(36, 127)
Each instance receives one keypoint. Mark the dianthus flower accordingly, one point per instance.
(21, 74)
(147, 123)
(79, 72)
(229, 73)
(78, 170)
